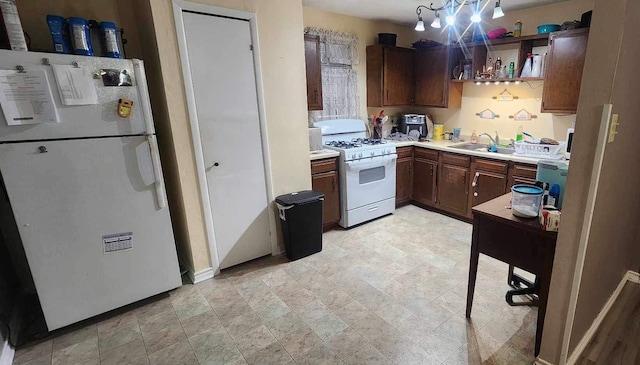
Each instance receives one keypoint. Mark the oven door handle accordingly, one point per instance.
(370, 163)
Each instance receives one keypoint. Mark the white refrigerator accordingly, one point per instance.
(88, 195)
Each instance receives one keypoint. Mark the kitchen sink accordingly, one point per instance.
(481, 147)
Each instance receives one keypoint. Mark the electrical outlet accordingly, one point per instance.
(613, 128)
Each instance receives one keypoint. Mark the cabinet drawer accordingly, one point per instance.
(324, 165)
(456, 160)
(426, 153)
(492, 166)
(404, 152)
(527, 171)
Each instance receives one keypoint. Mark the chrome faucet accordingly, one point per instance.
(495, 141)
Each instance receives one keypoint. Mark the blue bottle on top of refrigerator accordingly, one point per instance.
(79, 30)
(59, 33)
(110, 38)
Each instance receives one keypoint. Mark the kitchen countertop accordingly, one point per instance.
(319, 155)
(441, 145)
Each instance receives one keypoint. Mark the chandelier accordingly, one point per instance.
(450, 7)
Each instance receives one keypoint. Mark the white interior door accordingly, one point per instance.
(224, 84)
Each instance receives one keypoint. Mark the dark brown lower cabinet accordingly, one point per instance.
(521, 174)
(404, 175)
(488, 186)
(453, 189)
(452, 182)
(324, 178)
(489, 181)
(424, 181)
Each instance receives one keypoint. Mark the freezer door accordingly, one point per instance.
(83, 120)
(88, 216)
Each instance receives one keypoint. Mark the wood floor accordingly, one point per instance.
(617, 342)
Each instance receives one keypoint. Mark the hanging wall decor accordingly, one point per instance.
(505, 96)
(487, 114)
(523, 114)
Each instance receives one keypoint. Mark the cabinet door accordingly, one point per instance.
(453, 189)
(515, 180)
(314, 74)
(432, 76)
(424, 181)
(398, 76)
(563, 72)
(488, 185)
(404, 180)
(327, 182)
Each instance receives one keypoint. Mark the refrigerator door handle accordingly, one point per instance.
(143, 91)
(157, 171)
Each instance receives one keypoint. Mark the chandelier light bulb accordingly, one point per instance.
(451, 19)
(420, 25)
(436, 22)
(476, 18)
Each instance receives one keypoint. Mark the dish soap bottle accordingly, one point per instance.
(526, 70)
(519, 136)
(474, 137)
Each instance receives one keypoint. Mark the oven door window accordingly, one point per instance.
(371, 175)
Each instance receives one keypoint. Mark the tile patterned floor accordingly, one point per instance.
(388, 292)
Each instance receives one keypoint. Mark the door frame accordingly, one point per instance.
(178, 7)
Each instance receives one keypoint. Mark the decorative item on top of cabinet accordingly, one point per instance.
(563, 72)
(404, 175)
(389, 76)
(425, 176)
(453, 183)
(433, 85)
(314, 72)
(489, 181)
(324, 178)
(522, 174)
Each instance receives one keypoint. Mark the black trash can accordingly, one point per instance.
(301, 220)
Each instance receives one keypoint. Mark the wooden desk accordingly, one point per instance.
(515, 241)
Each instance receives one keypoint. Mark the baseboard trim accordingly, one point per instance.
(630, 276)
(201, 275)
(6, 356)
(542, 362)
(633, 277)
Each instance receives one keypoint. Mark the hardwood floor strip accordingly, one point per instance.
(617, 340)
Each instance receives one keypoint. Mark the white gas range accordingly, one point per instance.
(367, 171)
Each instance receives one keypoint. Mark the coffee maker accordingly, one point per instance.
(414, 125)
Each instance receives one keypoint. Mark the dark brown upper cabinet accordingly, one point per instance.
(390, 80)
(314, 73)
(433, 87)
(563, 72)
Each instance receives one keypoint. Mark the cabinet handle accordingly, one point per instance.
(475, 180)
(464, 179)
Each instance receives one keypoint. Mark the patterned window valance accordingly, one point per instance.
(336, 48)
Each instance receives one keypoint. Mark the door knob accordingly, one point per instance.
(216, 164)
